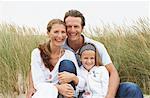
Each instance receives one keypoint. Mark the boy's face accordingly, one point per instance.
(74, 28)
(88, 59)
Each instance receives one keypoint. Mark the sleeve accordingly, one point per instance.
(81, 82)
(36, 70)
(103, 54)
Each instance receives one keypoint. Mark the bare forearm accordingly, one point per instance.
(30, 81)
(31, 90)
(75, 79)
(114, 81)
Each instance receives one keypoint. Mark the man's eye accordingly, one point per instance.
(76, 26)
(68, 26)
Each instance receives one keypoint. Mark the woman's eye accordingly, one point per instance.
(56, 31)
(63, 32)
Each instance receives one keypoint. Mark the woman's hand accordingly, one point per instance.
(30, 92)
(109, 96)
(65, 77)
(66, 90)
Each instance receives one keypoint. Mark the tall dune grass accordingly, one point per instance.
(128, 46)
(16, 44)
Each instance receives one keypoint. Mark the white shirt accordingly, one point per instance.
(97, 80)
(99, 46)
(41, 74)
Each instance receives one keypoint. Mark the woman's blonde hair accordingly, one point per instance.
(52, 22)
(45, 49)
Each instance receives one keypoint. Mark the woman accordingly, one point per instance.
(50, 58)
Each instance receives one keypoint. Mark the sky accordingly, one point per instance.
(38, 13)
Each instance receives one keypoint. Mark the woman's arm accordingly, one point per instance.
(37, 74)
(66, 77)
(31, 90)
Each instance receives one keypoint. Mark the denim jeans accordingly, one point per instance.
(68, 66)
(129, 90)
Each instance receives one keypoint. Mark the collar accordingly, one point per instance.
(66, 45)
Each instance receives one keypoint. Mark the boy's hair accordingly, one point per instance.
(90, 46)
(75, 13)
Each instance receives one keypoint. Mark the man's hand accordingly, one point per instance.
(30, 92)
(66, 90)
(65, 77)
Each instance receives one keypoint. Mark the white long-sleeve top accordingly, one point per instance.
(41, 74)
(97, 80)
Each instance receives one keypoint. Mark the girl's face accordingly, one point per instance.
(88, 59)
(57, 34)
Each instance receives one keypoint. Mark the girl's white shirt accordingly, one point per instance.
(97, 80)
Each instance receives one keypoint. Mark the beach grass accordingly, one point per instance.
(128, 46)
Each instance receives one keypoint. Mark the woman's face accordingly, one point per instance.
(88, 59)
(57, 34)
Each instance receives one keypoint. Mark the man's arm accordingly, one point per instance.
(114, 81)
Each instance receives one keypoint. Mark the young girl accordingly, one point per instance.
(95, 75)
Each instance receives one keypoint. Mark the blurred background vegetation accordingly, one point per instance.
(128, 46)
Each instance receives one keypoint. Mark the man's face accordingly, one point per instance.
(74, 28)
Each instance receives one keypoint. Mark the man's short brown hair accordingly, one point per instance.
(75, 13)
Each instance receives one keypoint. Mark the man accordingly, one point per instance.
(75, 23)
